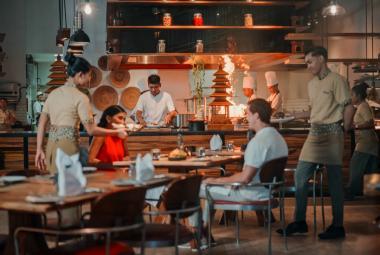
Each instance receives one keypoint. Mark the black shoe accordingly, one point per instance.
(332, 233)
(299, 227)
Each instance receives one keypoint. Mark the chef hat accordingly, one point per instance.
(271, 78)
(39, 93)
(249, 82)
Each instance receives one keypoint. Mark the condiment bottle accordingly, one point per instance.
(198, 19)
(167, 19)
(199, 46)
(248, 20)
(161, 46)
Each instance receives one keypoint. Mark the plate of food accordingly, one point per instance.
(177, 154)
(12, 179)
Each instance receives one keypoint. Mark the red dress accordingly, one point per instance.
(111, 150)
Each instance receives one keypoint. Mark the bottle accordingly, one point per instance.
(167, 19)
(180, 141)
(248, 20)
(199, 46)
(198, 19)
(161, 46)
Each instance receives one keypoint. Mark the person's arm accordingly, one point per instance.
(365, 125)
(170, 116)
(94, 149)
(94, 130)
(243, 177)
(348, 114)
(140, 117)
(40, 160)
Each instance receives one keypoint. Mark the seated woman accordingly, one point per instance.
(109, 148)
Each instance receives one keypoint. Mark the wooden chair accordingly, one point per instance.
(180, 200)
(271, 176)
(112, 214)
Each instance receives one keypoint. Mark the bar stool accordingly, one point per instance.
(318, 171)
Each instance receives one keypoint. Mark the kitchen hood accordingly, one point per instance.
(251, 61)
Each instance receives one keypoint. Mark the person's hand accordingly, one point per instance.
(167, 119)
(210, 180)
(143, 123)
(40, 160)
(122, 133)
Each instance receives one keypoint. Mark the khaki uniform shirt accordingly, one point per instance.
(328, 98)
(67, 106)
(366, 139)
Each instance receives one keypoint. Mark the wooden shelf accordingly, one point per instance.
(315, 37)
(295, 3)
(264, 27)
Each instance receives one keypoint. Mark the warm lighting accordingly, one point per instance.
(87, 8)
(333, 9)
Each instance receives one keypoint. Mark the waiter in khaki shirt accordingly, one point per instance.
(274, 98)
(330, 103)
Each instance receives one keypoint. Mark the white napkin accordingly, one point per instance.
(71, 180)
(144, 167)
(216, 143)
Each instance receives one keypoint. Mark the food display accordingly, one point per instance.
(177, 154)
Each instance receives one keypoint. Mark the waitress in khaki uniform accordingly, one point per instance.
(66, 107)
(365, 157)
(330, 106)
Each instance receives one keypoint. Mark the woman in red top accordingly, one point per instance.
(108, 149)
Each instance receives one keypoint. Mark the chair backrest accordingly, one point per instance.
(182, 193)
(117, 208)
(273, 168)
(26, 173)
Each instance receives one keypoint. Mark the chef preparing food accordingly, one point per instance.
(157, 107)
(274, 98)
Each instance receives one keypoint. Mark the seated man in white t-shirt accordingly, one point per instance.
(155, 107)
(267, 144)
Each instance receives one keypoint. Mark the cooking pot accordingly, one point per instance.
(196, 125)
(182, 120)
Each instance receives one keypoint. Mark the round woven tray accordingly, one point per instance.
(96, 77)
(119, 78)
(104, 96)
(129, 97)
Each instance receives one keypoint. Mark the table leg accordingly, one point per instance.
(33, 243)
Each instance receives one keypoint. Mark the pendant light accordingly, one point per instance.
(63, 33)
(333, 9)
(79, 38)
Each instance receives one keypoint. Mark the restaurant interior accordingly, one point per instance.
(129, 126)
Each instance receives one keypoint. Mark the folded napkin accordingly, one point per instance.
(216, 143)
(71, 180)
(144, 167)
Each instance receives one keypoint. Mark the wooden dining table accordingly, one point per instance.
(27, 214)
(212, 159)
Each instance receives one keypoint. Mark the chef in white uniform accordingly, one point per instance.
(275, 98)
(155, 107)
(37, 106)
(249, 87)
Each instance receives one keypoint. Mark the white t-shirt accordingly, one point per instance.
(266, 145)
(155, 108)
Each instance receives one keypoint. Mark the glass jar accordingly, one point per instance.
(161, 46)
(167, 19)
(199, 46)
(198, 19)
(248, 20)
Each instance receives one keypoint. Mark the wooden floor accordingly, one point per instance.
(363, 237)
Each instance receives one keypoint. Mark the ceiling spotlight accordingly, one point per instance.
(87, 8)
(333, 9)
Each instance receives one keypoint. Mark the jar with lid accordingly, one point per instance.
(198, 19)
(248, 20)
(161, 46)
(199, 46)
(167, 19)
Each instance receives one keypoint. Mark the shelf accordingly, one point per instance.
(315, 37)
(264, 27)
(295, 3)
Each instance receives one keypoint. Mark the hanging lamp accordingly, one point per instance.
(333, 9)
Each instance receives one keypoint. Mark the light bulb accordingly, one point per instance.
(87, 8)
(333, 10)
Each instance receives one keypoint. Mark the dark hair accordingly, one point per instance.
(76, 65)
(154, 79)
(317, 51)
(262, 107)
(360, 90)
(110, 111)
(3, 98)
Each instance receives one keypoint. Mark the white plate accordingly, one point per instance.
(125, 182)
(89, 169)
(13, 179)
(43, 199)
